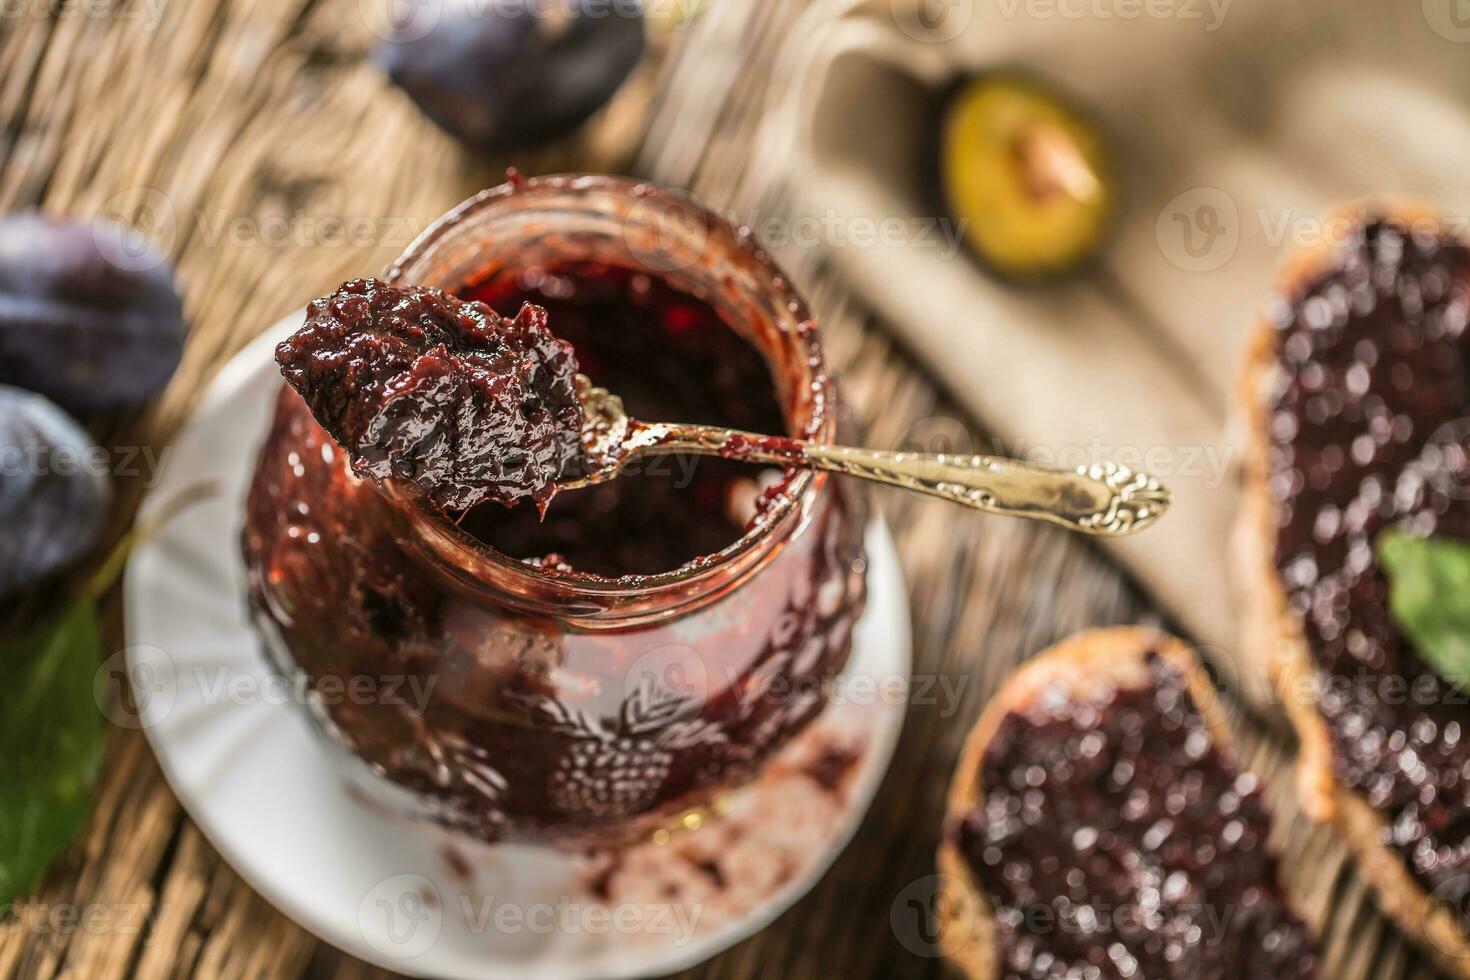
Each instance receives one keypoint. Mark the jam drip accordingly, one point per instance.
(671, 357)
(1116, 840)
(443, 394)
(1367, 432)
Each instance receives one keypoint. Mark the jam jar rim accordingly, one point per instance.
(746, 553)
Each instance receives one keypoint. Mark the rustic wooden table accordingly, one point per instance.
(243, 134)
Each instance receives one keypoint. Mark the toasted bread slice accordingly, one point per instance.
(1273, 641)
(1088, 669)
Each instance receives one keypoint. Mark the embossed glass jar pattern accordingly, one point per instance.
(510, 701)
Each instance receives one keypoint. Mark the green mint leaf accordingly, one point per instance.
(1429, 596)
(51, 741)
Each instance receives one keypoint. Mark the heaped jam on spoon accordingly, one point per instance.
(472, 401)
(446, 395)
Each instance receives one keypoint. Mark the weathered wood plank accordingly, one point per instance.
(233, 113)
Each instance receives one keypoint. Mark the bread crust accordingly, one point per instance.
(1090, 666)
(1273, 641)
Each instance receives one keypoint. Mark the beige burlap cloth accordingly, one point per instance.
(1236, 125)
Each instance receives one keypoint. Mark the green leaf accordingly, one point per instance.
(50, 742)
(1429, 595)
(50, 723)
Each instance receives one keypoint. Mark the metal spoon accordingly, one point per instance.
(1104, 499)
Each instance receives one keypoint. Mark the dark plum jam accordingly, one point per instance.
(1368, 431)
(422, 387)
(554, 707)
(1116, 839)
(671, 358)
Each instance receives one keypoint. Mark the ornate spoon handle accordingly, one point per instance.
(1104, 499)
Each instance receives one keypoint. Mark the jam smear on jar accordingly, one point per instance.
(422, 387)
(518, 704)
(1368, 431)
(672, 358)
(1115, 839)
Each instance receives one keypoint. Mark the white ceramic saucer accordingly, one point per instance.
(278, 803)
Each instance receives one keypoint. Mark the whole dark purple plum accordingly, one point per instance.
(54, 489)
(89, 315)
(506, 73)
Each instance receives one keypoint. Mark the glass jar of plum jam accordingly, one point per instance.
(593, 675)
